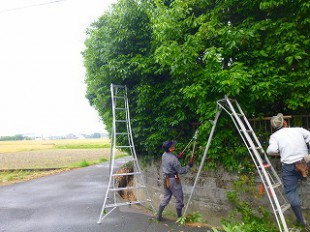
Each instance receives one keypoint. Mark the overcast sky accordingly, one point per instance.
(42, 87)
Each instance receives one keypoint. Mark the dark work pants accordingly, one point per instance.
(290, 179)
(175, 189)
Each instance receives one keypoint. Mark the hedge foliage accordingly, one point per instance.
(178, 57)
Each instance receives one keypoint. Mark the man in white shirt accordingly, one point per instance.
(291, 145)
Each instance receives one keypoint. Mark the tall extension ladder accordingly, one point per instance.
(268, 175)
(122, 134)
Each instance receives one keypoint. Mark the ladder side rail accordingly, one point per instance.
(114, 133)
(111, 151)
(111, 157)
(271, 168)
(242, 127)
(277, 212)
(128, 126)
(275, 179)
(273, 201)
(258, 143)
(260, 163)
(106, 215)
(107, 193)
(253, 156)
(130, 137)
(241, 134)
(245, 142)
(114, 104)
(219, 110)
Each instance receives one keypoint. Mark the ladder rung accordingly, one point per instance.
(276, 185)
(285, 207)
(119, 108)
(119, 97)
(121, 133)
(126, 188)
(264, 166)
(249, 131)
(126, 203)
(127, 174)
(119, 86)
(256, 148)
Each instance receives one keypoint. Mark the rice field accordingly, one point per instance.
(23, 160)
(34, 145)
(46, 154)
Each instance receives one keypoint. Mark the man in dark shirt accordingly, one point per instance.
(171, 168)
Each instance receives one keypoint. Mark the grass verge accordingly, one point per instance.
(12, 177)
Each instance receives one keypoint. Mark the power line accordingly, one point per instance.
(30, 6)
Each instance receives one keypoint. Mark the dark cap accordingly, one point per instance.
(168, 144)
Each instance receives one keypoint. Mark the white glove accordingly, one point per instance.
(307, 158)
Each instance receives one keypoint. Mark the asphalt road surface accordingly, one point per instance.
(71, 201)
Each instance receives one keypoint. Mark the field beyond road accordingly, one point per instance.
(21, 159)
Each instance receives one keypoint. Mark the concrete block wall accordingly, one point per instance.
(210, 195)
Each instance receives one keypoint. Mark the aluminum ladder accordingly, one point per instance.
(122, 139)
(270, 179)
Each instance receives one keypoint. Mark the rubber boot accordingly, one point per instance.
(160, 213)
(298, 214)
(179, 212)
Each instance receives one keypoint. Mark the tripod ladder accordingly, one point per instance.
(270, 179)
(122, 139)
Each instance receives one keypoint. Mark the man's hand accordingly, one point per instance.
(190, 164)
(191, 161)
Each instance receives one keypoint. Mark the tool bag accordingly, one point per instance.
(302, 167)
(167, 180)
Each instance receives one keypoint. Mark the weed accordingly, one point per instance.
(103, 160)
(244, 199)
(84, 163)
(190, 218)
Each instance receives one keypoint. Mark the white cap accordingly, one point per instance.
(277, 121)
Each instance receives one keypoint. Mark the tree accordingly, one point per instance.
(179, 57)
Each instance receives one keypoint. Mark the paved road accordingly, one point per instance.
(71, 201)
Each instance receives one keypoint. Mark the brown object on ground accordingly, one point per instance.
(125, 181)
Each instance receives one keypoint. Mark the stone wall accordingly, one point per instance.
(210, 194)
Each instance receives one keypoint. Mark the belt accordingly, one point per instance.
(171, 175)
(293, 163)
